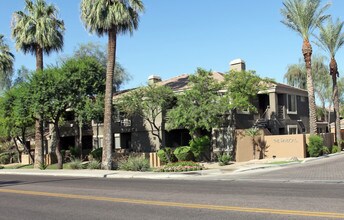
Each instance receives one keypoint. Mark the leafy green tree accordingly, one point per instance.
(6, 62)
(241, 89)
(22, 76)
(331, 39)
(303, 16)
(150, 103)
(16, 116)
(112, 18)
(99, 52)
(199, 107)
(38, 30)
(91, 81)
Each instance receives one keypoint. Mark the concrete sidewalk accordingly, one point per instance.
(212, 170)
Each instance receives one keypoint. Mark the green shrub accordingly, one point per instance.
(315, 145)
(224, 159)
(166, 153)
(93, 165)
(184, 153)
(76, 164)
(74, 152)
(43, 166)
(335, 149)
(5, 158)
(325, 150)
(96, 154)
(134, 163)
(199, 146)
(1, 167)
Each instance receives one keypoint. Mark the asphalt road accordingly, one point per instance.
(39, 197)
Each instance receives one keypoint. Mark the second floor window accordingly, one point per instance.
(292, 104)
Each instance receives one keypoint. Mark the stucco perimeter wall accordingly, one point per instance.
(282, 146)
(245, 148)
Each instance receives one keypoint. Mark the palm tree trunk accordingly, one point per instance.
(307, 55)
(108, 136)
(39, 154)
(334, 73)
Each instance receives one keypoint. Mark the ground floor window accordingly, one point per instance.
(292, 129)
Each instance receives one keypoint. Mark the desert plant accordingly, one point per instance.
(93, 165)
(166, 155)
(183, 153)
(96, 154)
(199, 146)
(224, 159)
(76, 164)
(43, 166)
(325, 150)
(315, 145)
(335, 149)
(134, 163)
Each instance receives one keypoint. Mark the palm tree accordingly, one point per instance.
(303, 16)
(38, 30)
(110, 17)
(296, 76)
(6, 61)
(331, 39)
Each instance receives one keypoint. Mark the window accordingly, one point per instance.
(292, 129)
(292, 107)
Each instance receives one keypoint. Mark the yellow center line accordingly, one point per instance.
(179, 205)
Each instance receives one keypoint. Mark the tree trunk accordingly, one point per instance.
(231, 148)
(24, 145)
(334, 73)
(58, 146)
(108, 135)
(17, 148)
(307, 55)
(39, 155)
(80, 139)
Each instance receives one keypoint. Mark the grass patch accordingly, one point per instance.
(19, 166)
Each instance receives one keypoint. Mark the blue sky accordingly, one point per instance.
(177, 36)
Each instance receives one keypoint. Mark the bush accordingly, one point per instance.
(134, 163)
(180, 167)
(315, 145)
(1, 167)
(76, 164)
(74, 152)
(224, 159)
(199, 146)
(163, 155)
(96, 154)
(93, 165)
(5, 158)
(335, 149)
(184, 153)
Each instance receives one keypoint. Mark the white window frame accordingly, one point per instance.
(288, 111)
(292, 127)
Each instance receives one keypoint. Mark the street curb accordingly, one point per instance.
(322, 157)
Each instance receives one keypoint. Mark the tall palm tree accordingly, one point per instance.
(38, 30)
(6, 61)
(296, 76)
(111, 17)
(331, 39)
(303, 16)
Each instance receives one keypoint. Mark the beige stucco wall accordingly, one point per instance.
(245, 148)
(283, 146)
